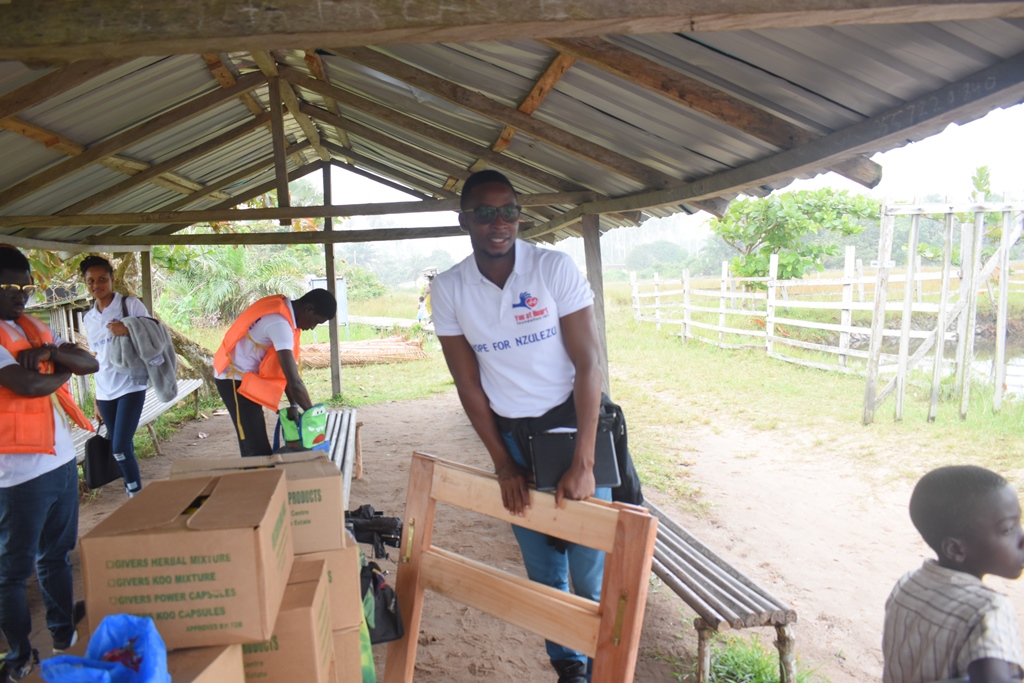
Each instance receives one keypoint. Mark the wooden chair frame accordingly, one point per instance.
(608, 631)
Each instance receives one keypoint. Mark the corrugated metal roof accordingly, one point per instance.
(822, 79)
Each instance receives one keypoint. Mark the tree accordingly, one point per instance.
(656, 255)
(801, 227)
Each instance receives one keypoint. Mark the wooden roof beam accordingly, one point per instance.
(316, 67)
(225, 75)
(304, 237)
(704, 99)
(54, 83)
(484, 106)
(268, 65)
(1001, 85)
(385, 170)
(386, 182)
(279, 142)
(118, 142)
(61, 30)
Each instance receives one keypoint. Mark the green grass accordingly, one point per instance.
(747, 660)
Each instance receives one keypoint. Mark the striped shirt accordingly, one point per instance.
(938, 621)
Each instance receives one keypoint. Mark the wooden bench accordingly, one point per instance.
(608, 631)
(720, 594)
(346, 450)
(151, 410)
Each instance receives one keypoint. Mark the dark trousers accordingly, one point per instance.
(121, 415)
(247, 417)
(38, 528)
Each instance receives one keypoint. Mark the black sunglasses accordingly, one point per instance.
(485, 215)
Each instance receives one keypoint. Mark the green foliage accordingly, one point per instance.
(654, 255)
(801, 227)
(747, 660)
(616, 275)
(362, 284)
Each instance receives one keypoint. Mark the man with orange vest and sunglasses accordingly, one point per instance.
(38, 471)
(258, 362)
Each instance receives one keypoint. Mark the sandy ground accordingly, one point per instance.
(822, 531)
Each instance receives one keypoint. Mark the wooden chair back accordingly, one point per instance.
(608, 631)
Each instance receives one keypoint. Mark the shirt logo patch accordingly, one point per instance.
(529, 303)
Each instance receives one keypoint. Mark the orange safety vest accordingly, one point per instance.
(266, 386)
(27, 423)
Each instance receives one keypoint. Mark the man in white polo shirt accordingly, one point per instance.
(517, 329)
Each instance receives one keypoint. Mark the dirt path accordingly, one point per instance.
(825, 532)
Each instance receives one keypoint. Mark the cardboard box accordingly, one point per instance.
(301, 647)
(315, 493)
(207, 558)
(206, 665)
(348, 665)
(343, 586)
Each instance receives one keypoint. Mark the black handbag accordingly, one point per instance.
(99, 464)
(386, 622)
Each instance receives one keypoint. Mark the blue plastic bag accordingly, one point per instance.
(115, 632)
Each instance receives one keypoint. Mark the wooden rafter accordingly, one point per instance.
(277, 133)
(315, 64)
(388, 172)
(704, 99)
(1001, 85)
(59, 30)
(279, 213)
(483, 105)
(226, 77)
(122, 164)
(425, 130)
(315, 237)
(118, 142)
(268, 65)
(53, 84)
(351, 168)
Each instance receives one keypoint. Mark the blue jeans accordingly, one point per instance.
(121, 416)
(38, 528)
(546, 565)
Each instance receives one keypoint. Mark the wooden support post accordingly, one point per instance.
(703, 650)
(416, 534)
(769, 307)
(846, 317)
(277, 135)
(657, 304)
(1002, 312)
(146, 266)
(634, 290)
(908, 306)
(972, 310)
(721, 302)
(332, 287)
(860, 280)
(592, 250)
(941, 323)
(918, 282)
(686, 305)
(878, 315)
(785, 641)
(963, 298)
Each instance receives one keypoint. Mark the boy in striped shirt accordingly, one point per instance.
(941, 621)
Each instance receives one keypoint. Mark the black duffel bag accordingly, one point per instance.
(371, 526)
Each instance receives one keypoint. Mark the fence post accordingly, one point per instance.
(908, 309)
(941, 323)
(964, 297)
(878, 314)
(721, 302)
(769, 306)
(634, 289)
(1002, 311)
(686, 304)
(846, 317)
(657, 304)
(972, 310)
(860, 280)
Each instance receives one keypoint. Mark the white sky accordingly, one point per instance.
(942, 164)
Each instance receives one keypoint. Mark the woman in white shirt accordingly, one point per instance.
(119, 398)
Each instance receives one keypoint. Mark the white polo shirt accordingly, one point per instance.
(17, 468)
(269, 330)
(515, 331)
(110, 382)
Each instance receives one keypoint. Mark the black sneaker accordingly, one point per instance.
(77, 614)
(8, 673)
(570, 670)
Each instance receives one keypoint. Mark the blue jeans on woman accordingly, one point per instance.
(38, 528)
(551, 567)
(121, 415)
